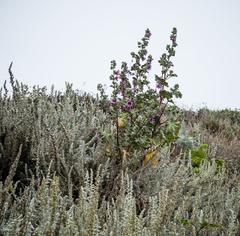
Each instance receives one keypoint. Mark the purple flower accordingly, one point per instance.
(128, 105)
(117, 77)
(149, 66)
(152, 120)
(158, 86)
(112, 101)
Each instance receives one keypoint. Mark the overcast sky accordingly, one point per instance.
(53, 41)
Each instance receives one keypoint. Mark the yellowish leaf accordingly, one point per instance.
(154, 163)
(149, 156)
(121, 123)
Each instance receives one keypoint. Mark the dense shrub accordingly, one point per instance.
(66, 168)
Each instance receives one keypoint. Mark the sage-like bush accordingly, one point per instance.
(62, 173)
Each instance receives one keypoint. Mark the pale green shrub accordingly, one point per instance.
(59, 175)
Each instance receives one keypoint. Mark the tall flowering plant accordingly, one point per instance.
(144, 116)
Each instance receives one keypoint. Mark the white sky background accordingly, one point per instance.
(53, 41)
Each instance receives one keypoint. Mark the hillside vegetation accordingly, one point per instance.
(131, 163)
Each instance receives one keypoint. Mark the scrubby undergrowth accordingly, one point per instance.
(67, 170)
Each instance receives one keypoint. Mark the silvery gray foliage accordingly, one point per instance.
(57, 177)
(45, 210)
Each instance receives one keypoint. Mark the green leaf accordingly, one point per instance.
(185, 222)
